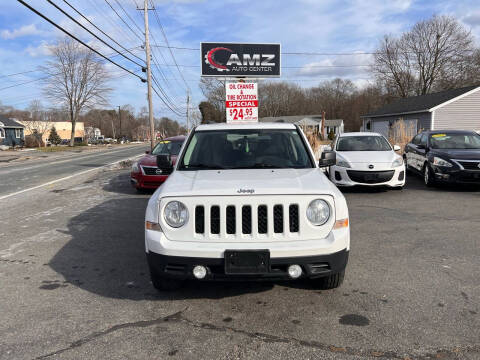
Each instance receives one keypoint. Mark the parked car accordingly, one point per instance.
(247, 202)
(451, 156)
(368, 159)
(145, 173)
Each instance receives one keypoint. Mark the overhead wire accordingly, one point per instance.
(121, 18)
(77, 39)
(91, 33)
(103, 32)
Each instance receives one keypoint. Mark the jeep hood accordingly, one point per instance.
(247, 182)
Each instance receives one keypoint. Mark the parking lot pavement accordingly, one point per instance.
(74, 284)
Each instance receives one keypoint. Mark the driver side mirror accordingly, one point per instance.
(164, 162)
(421, 147)
(328, 158)
(396, 148)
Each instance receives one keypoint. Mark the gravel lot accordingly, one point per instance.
(74, 284)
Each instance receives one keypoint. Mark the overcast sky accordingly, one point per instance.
(328, 26)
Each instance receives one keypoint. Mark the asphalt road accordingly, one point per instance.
(18, 177)
(74, 284)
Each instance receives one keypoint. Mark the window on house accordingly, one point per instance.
(2, 134)
(368, 125)
(18, 133)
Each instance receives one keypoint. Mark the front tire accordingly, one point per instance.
(331, 282)
(428, 176)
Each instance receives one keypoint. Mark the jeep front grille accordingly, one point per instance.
(248, 224)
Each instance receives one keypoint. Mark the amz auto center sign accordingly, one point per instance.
(240, 60)
(241, 102)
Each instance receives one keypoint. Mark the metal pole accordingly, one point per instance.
(120, 119)
(188, 111)
(149, 77)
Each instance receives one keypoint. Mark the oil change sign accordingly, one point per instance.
(241, 102)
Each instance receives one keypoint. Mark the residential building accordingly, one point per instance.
(63, 128)
(455, 109)
(309, 123)
(11, 132)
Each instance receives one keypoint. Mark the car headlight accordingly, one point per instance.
(342, 162)
(135, 167)
(397, 162)
(440, 162)
(175, 214)
(318, 212)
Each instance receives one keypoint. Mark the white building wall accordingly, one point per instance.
(460, 114)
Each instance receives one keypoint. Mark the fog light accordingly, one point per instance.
(200, 272)
(294, 271)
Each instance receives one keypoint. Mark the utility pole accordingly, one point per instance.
(188, 111)
(149, 77)
(120, 118)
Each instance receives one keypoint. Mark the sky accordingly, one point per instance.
(327, 26)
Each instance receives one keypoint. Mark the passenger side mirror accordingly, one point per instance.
(421, 147)
(328, 158)
(396, 148)
(164, 162)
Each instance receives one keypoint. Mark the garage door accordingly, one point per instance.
(380, 126)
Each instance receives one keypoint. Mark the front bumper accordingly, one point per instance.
(339, 176)
(456, 176)
(140, 181)
(181, 268)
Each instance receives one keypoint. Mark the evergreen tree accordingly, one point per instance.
(53, 137)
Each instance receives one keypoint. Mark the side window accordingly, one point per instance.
(423, 140)
(2, 133)
(416, 139)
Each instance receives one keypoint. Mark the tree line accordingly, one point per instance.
(434, 55)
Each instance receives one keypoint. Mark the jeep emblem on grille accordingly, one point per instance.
(245, 191)
(158, 171)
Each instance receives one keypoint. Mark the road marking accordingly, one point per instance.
(69, 177)
(73, 158)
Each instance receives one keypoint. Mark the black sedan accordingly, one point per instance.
(451, 156)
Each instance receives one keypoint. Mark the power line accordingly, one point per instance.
(133, 21)
(104, 33)
(77, 39)
(157, 18)
(19, 73)
(121, 18)
(292, 67)
(90, 32)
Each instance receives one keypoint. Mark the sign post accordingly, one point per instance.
(241, 102)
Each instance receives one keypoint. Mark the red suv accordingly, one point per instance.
(145, 173)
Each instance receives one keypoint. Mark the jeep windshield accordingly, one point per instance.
(363, 143)
(246, 149)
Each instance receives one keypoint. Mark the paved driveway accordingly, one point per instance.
(74, 284)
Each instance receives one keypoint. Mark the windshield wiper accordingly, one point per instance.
(257, 166)
(203, 167)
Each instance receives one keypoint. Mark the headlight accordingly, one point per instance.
(440, 162)
(398, 162)
(135, 167)
(318, 212)
(175, 214)
(342, 162)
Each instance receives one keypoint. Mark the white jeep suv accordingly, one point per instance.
(247, 201)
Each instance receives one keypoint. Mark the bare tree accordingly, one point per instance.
(418, 62)
(77, 79)
(38, 123)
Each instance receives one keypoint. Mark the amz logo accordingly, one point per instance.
(235, 60)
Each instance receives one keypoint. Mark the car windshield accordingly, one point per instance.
(363, 143)
(454, 141)
(167, 147)
(246, 149)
